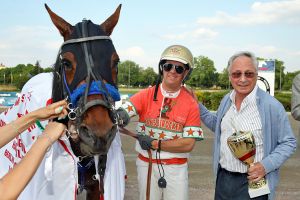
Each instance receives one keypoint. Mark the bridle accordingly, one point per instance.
(108, 101)
(78, 97)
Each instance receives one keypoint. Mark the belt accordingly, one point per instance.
(171, 161)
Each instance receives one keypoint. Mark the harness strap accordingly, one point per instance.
(149, 174)
(92, 103)
(148, 189)
(85, 39)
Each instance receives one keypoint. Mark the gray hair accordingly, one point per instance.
(243, 53)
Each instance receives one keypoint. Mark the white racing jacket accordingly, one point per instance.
(56, 177)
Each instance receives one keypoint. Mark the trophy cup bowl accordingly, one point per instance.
(242, 145)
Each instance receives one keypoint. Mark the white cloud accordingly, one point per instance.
(260, 13)
(200, 33)
(296, 53)
(54, 45)
(180, 36)
(132, 52)
(204, 33)
(27, 44)
(3, 46)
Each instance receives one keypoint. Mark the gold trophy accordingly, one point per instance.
(242, 145)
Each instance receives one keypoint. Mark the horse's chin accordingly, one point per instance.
(91, 145)
(89, 151)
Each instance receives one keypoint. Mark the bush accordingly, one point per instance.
(285, 99)
(211, 100)
(216, 98)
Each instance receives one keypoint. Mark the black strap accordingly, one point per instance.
(101, 169)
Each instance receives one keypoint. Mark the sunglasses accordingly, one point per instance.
(247, 74)
(178, 68)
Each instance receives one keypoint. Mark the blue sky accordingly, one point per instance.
(212, 28)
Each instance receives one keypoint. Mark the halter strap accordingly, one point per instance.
(86, 39)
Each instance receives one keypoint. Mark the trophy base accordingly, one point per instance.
(256, 192)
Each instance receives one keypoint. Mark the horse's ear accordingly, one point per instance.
(64, 27)
(109, 25)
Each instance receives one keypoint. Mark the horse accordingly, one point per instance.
(85, 73)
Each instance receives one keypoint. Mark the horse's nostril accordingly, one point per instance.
(84, 130)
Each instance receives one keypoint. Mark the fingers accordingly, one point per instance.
(59, 103)
(256, 172)
(58, 109)
(58, 106)
(55, 130)
(254, 177)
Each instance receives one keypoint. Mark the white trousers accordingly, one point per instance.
(175, 175)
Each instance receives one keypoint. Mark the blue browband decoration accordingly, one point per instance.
(94, 89)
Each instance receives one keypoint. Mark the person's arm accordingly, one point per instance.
(182, 145)
(285, 144)
(11, 130)
(207, 117)
(14, 182)
(296, 98)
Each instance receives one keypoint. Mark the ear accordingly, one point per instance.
(109, 25)
(64, 27)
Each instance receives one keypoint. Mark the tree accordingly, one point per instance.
(288, 80)
(128, 73)
(224, 79)
(204, 73)
(147, 77)
(279, 74)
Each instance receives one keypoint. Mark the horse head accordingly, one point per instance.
(86, 73)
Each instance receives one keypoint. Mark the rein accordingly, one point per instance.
(134, 135)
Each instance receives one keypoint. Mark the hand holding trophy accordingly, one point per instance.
(242, 145)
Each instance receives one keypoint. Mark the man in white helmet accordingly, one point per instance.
(169, 125)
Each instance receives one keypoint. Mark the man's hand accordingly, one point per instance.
(256, 172)
(122, 117)
(145, 141)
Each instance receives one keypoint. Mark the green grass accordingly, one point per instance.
(129, 90)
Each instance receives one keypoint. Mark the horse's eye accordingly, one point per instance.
(66, 64)
(116, 66)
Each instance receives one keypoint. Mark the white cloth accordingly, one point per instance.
(175, 175)
(56, 177)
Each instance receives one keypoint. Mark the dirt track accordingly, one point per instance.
(201, 180)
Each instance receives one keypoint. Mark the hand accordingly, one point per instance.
(122, 117)
(192, 93)
(256, 172)
(145, 141)
(54, 130)
(51, 111)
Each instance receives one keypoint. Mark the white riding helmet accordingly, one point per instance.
(177, 53)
